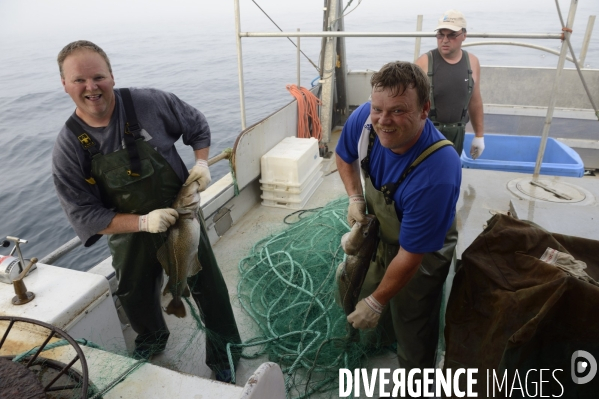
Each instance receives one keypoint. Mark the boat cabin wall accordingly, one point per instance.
(508, 86)
(221, 207)
(532, 86)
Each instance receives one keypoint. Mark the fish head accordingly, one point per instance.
(370, 229)
(188, 197)
(355, 239)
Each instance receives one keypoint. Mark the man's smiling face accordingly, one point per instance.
(87, 79)
(398, 120)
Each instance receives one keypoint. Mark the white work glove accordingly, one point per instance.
(477, 147)
(356, 212)
(201, 173)
(158, 221)
(367, 314)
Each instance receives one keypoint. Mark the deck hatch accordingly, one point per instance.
(222, 221)
(548, 190)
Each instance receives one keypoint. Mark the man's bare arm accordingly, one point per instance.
(350, 175)
(202, 153)
(475, 108)
(422, 62)
(122, 223)
(399, 272)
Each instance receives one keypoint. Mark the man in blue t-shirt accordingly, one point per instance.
(401, 294)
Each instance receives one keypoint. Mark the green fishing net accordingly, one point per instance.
(288, 287)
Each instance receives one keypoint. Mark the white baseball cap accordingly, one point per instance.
(453, 20)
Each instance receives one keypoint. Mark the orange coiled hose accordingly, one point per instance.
(308, 122)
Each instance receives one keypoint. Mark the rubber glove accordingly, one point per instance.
(367, 314)
(477, 147)
(201, 173)
(158, 221)
(356, 212)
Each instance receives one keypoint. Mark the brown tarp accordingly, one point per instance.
(512, 313)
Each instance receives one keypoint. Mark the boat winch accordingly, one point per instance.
(11, 267)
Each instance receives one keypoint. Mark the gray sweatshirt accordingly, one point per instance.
(163, 117)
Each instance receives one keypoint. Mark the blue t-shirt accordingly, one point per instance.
(425, 202)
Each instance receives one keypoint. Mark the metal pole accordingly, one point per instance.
(61, 251)
(327, 94)
(298, 61)
(399, 34)
(418, 39)
(239, 63)
(226, 154)
(505, 43)
(586, 40)
(560, 67)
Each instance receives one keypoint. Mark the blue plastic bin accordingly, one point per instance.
(519, 154)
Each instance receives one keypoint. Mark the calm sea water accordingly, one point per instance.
(188, 48)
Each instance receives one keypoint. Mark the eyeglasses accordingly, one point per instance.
(450, 36)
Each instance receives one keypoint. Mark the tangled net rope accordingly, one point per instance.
(288, 287)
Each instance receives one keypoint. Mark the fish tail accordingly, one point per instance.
(176, 307)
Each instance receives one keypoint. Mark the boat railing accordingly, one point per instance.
(333, 29)
(76, 242)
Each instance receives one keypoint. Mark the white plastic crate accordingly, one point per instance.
(295, 196)
(290, 162)
(280, 199)
(295, 188)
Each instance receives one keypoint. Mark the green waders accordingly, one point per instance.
(412, 317)
(139, 273)
(139, 180)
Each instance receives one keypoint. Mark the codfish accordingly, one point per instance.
(360, 245)
(179, 254)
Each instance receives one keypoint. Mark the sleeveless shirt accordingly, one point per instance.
(450, 88)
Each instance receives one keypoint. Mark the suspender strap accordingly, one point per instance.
(433, 112)
(132, 124)
(88, 145)
(365, 163)
(389, 189)
(132, 130)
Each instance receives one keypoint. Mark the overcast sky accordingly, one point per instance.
(37, 27)
(18, 17)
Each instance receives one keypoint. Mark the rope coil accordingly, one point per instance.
(308, 122)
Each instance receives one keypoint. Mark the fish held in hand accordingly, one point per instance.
(179, 254)
(360, 245)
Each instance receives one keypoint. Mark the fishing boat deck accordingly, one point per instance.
(483, 194)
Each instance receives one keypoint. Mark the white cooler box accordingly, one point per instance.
(291, 172)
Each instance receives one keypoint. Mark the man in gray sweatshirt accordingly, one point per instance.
(116, 172)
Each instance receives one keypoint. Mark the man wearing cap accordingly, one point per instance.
(454, 75)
